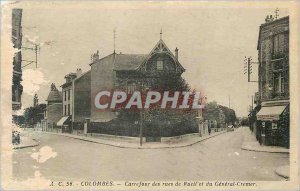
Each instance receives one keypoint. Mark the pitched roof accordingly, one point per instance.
(129, 61)
(136, 61)
(161, 47)
(54, 96)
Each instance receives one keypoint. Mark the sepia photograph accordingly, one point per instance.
(133, 95)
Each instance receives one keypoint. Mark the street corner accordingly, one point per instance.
(255, 146)
(26, 142)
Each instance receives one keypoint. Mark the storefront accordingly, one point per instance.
(273, 124)
(65, 124)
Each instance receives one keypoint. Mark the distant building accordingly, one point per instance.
(76, 100)
(17, 88)
(53, 112)
(272, 125)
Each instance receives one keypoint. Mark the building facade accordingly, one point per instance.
(82, 98)
(17, 88)
(130, 72)
(54, 108)
(75, 100)
(138, 72)
(272, 99)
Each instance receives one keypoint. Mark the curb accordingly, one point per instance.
(262, 149)
(255, 150)
(138, 147)
(26, 146)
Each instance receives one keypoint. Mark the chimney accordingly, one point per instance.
(176, 53)
(79, 72)
(95, 57)
(269, 18)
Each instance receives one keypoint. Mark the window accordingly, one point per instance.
(278, 43)
(159, 65)
(68, 109)
(68, 94)
(65, 95)
(278, 83)
(65, 110)
(274, 125)
(131, 88)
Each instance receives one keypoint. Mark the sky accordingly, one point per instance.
(212, 43)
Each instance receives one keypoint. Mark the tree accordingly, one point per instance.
(35, 100)
(170, 82)
(230, 117)
(213, 112)
(34, 114)
(178, 121)
(220, 113)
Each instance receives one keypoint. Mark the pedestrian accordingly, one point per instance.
(18, 138)
(13, 138)
(209, 129)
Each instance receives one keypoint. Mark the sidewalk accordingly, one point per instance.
(136, 145)
(26, 142)
(251, 144)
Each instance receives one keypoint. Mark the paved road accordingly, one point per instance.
(218, 158)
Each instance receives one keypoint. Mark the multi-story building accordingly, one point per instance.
(130, 72)
(17, 88)
(126, 72)
(272, 125)
(76, 100)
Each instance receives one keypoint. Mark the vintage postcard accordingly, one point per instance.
(149, 95)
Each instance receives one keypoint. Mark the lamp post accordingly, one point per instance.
(141, 127)
(141, 115)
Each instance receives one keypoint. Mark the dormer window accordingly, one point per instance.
(159, 65)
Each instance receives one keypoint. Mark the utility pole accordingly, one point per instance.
(36, 49)
(252, 102)
(248, 67)
(141, 117)
(229, 101)
(36, 52)
(114, 40)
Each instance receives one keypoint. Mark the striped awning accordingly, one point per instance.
(63, 121)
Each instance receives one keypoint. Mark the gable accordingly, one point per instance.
(161, 49)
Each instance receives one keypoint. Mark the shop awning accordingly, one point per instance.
(63, 121)
(270, 113)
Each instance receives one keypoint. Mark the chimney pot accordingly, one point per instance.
(176, 53)
(79, 72)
